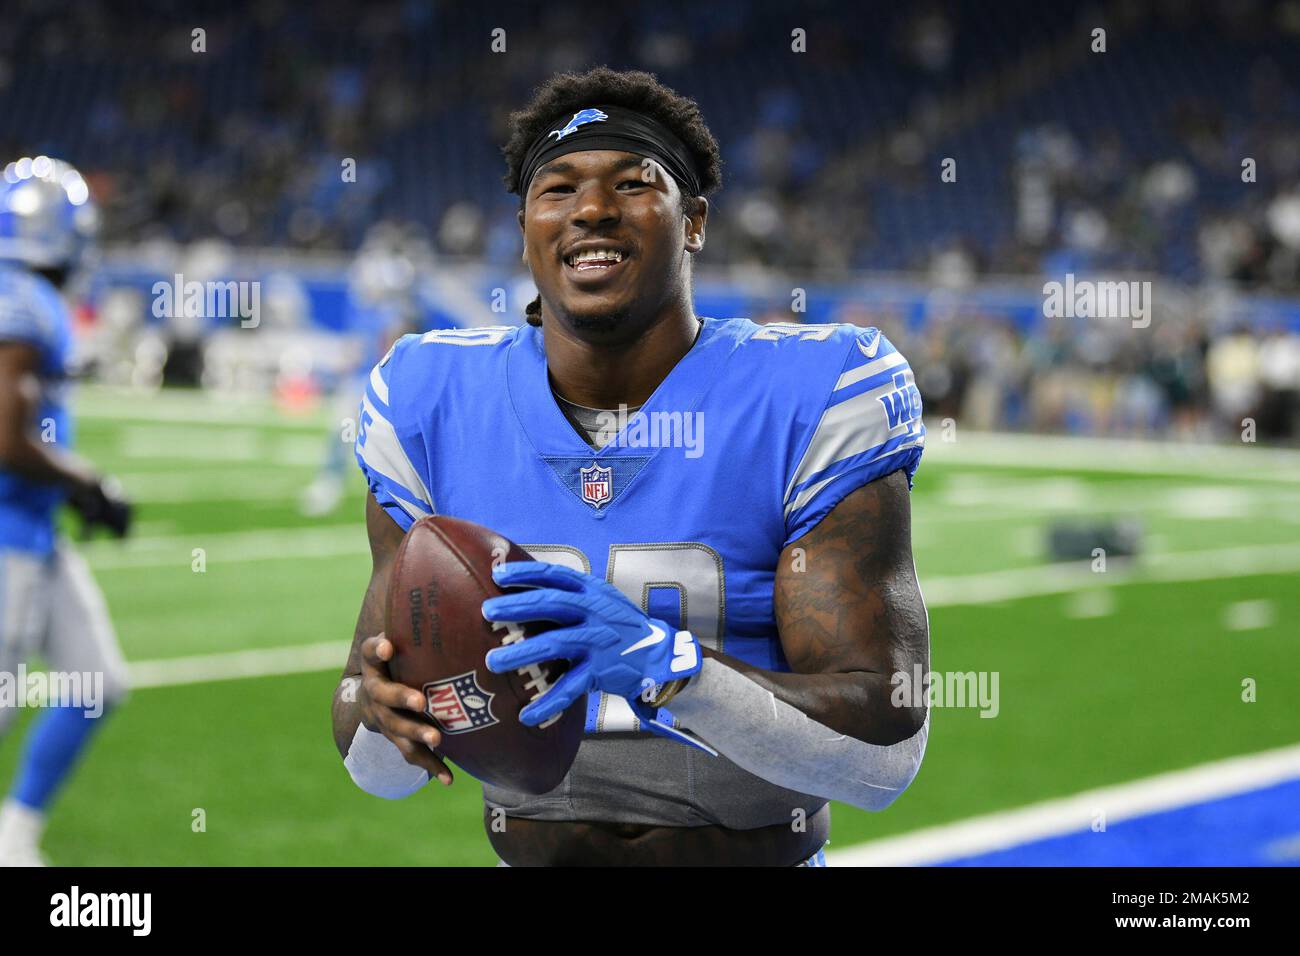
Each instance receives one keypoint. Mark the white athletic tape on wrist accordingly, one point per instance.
(378, 767)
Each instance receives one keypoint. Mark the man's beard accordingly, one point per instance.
(603, 323)
(598, 323)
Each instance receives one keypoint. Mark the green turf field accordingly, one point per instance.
(1103, 677)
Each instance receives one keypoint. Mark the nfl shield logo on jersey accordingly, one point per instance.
(597, 485)
(458, 704)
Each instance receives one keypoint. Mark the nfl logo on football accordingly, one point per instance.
(459, 704)
(597, 485)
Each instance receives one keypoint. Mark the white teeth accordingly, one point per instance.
(589, 255)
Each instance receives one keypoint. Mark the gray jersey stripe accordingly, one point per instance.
(870, 369)
(378, 384)
(846, 429)
(812, 490)
(383, 453)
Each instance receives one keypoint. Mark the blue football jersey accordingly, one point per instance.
(752, 438)
(33, 312)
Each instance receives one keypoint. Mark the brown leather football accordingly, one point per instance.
(441, 576)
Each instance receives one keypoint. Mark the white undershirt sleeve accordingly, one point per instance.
(780, 743)
(378, 767)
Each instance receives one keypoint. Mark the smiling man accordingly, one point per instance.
(735, 618)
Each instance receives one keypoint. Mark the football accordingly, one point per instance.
(441, 576)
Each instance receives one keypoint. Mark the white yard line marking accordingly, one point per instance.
(227, 547)
(996, 831)
(169, 442)
(1017, 452)
(970, 497)
(178, 405)
(1169, 567)
(940, 591)
(1016, 583)
(1249, 463)
(235, 665)
(215, 484)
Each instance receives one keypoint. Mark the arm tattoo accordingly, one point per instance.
(850, 615)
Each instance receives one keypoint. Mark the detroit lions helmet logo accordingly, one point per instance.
(580, 118)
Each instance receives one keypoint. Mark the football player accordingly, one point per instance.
(380, 308)
(50, 606)
(719, 509)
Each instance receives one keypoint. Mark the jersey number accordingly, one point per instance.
(774, 331)
(693, 570)
(486, 335)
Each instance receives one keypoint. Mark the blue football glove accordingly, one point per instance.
(612, 644)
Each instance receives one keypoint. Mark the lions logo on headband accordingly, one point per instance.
(580, 118)
(620, 129)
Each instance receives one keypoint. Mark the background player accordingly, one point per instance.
(381, 306)
(50, 607)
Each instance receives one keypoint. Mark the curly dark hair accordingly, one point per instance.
(566, 93)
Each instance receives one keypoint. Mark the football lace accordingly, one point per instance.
(535, 679)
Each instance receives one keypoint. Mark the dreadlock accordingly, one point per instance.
(567, 93)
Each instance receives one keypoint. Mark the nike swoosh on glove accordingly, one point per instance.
(612, 644)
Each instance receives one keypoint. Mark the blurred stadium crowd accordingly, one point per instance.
(1068, 160)
(1179, 381)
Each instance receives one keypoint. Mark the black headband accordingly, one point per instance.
(612, 127)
